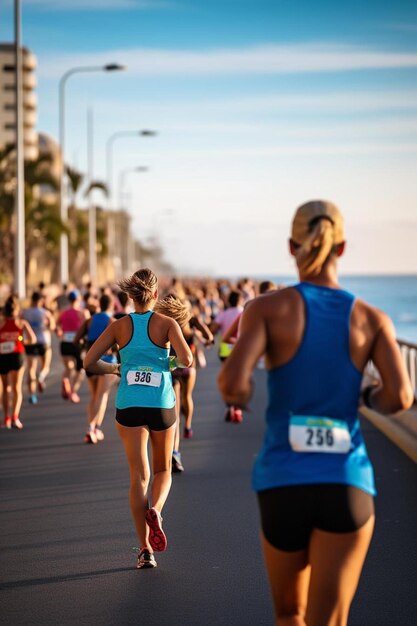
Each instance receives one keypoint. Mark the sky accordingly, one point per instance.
(259, 106)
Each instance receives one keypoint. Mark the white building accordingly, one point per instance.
(7, 99)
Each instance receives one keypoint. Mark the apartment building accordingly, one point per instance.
(7, 99)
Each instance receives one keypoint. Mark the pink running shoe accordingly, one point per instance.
(99, 434)
(16, 423)
(7, 423)
(74, 397)
(237, 416)
(90, 437)
(157, 537)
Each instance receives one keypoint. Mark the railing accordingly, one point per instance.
(409, 353)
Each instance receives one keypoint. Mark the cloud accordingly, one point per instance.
(99, 5)
(255, 60)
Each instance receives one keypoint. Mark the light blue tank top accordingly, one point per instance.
(145, 377)
(319, 382)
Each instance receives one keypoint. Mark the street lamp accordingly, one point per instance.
(110, 67)
(128, 244)
(122, 176)
(109, 154)
(19, 243)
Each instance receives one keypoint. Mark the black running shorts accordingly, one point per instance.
(71, 349)
(36, 349)
(11, 362)
(290, 514)
(153, 418)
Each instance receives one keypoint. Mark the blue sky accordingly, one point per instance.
(259, 106)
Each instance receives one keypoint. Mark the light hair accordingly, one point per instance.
(317, 230)
(316, 249)
(172, 306)
(141, 286)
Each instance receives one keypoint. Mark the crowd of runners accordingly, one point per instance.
(78, 314)
(313, 477)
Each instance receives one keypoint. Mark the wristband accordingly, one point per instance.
(366, 395)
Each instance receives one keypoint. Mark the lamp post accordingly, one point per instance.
(19, 242)
(110, 67)
(130, 243)
(111, 238)
(109, 154)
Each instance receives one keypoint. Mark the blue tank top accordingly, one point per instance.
(313, 404)
(98, 324)
(145, 377)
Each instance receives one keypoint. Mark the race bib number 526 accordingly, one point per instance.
(319, 434)
(144, 377)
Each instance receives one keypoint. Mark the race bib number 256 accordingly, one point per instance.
(319, 434)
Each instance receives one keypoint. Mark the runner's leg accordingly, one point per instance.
(135, 442)
(289, 575)
(162, 442)
(337, 560)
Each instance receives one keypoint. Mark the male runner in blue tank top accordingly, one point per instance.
(145, 402)
(313, 477)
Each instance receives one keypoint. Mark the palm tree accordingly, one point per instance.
(78, 222)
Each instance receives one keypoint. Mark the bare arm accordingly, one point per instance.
(204, 330)
(92, 361)
(235, 376)
(184, 355)
(395, 393)
(51, 321)
(231, 333)
(28, 331)
(82, 331)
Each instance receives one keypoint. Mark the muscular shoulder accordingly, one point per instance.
(275, 304)
(366, 316)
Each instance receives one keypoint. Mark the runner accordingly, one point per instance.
(314, 480)
(184, 378)
(68, 324)
(12, 334)
(99, 385)
(42, 322)
(145, 402)
(224, 320)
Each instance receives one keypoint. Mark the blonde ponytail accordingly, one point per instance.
(141, 286)
(316, 248)
(172, 306)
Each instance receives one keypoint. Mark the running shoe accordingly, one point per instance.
(188, 433)
(33, 399)
(74, 397)
(7, 423)
(157, 537)
(90, 437)
(146, 560)
(99, 434)
(237, 416)
(177, 466)
(16, 423)
(41, 385)
(65, 389)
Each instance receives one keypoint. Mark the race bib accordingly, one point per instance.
(68, 337)
(7, 347)
(319, 434)
(144, 377)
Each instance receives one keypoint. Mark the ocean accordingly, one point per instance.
(395, 295)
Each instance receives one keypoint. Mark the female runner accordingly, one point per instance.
(145, 402)
(13, 331)
(313, 477)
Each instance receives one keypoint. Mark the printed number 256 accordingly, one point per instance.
(318, 437)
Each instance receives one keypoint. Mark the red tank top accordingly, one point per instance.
(11, 338)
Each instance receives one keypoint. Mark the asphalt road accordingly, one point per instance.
(67, 536)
